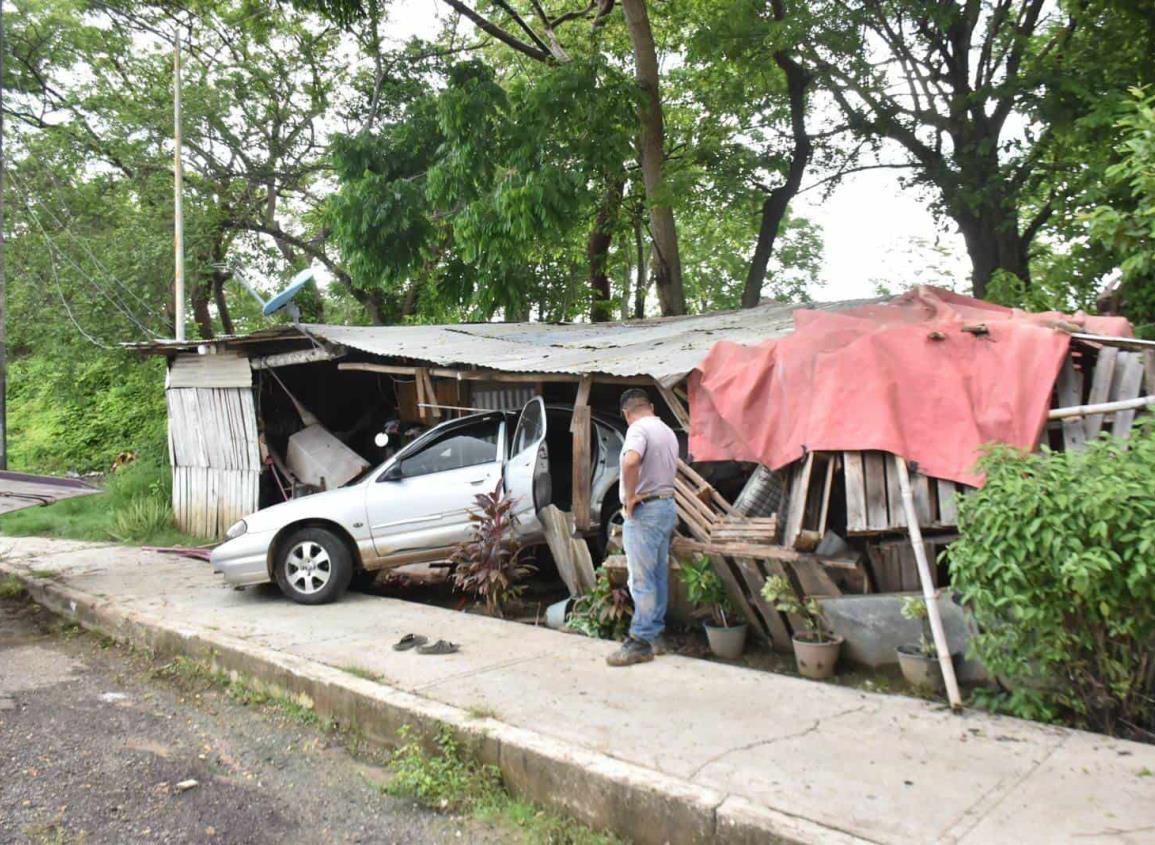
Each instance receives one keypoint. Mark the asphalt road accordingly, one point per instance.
(95, 747)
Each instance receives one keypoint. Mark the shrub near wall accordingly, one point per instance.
(1057, 563)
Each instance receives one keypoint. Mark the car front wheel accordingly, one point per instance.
(314, 566)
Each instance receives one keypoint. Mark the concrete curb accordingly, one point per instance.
(640, 804)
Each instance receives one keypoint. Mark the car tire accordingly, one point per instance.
(313, 566)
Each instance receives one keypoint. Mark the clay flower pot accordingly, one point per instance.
(728, 642)
(816, 659)
(919, 669)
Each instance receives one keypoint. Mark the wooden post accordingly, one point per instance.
(928, 591)
(580, 428)
(178, 191)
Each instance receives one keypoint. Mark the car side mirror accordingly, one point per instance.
(392, 474)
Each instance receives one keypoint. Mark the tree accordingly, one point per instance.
(955, 86)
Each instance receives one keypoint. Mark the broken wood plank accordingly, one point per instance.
(558, 536)
(677, 409)
(855, 491)
(827, 486)
(1100, 389)
(874, 470)
(582, 473)
(920, 487)
(896, 516)
(796, 506)
(1129, 378)
(947, 502)
(738, 595)
(1069, 392)
(775, 624)
(813, 579)
(694, 478)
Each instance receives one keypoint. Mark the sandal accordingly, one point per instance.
(410, 641)
(439, 647)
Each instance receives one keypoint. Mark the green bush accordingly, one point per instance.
(80, 413)
(1057, 563)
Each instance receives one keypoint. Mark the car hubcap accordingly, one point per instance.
(308, 567)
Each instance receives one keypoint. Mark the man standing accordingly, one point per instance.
(649, 462)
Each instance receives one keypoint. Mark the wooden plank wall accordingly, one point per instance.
(215, 455)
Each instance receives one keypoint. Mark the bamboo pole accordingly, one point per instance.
(1101, 408)
(928, 592)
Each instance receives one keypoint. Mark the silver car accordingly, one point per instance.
(414, 507)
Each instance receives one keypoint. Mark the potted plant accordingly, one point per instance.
(815, 648)
(919, 661)
(704, 588)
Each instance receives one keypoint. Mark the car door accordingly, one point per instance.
(527, 478)
(420, 502)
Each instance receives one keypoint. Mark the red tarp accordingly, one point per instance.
(872, 377)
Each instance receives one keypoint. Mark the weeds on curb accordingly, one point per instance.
(452, 779)
(363, 674)
(188, 674)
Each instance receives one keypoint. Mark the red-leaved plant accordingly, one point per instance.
(488, 564)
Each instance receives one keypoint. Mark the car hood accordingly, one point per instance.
(332, 504)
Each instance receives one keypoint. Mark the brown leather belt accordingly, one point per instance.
(654, 497)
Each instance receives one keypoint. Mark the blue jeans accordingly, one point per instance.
(646, 537)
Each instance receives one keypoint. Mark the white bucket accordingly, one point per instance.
(556, 613)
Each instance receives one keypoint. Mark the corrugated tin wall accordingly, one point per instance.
(213, 447)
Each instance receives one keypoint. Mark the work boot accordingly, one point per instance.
(632, 651)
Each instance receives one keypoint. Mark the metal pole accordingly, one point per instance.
(178, 184)
(928, 592)
(3, 280)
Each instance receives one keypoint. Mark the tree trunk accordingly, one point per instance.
(667, 261)
(598, 253)
(776, 204)
(643, 280)
(200, 307)
(219, 279)
(994, 243)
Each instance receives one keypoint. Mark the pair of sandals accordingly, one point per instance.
(423, 646)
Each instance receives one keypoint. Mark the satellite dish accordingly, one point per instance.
(284, 299)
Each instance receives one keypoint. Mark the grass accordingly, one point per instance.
(134, 508)
(189, 674)
(452, 779)
(481, 711)
(11, 587)
(364, 674)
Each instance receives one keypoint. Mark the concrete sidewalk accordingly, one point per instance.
(677, 750)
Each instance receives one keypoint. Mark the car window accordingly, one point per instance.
(467, 446)
(530, 428)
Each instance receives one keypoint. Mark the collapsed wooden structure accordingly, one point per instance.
(833, 524)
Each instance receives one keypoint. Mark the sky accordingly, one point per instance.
(872, 228)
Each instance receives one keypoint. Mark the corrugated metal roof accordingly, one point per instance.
(662, 348)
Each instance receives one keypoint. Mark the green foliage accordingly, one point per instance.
(1127, 228)
(778, 591)
(79, 413)
(1057, 563)
(605, 612)
(447, 780)
(134, 508)
(704, 588)
(450, 778)
(487, 565)
(914, 607)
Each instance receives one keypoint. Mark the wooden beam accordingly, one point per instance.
(582, 474)
(301, 356)
(1069, 392)
(928, 590)
(675, 405)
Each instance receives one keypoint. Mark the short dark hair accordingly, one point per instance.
(634, 397)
